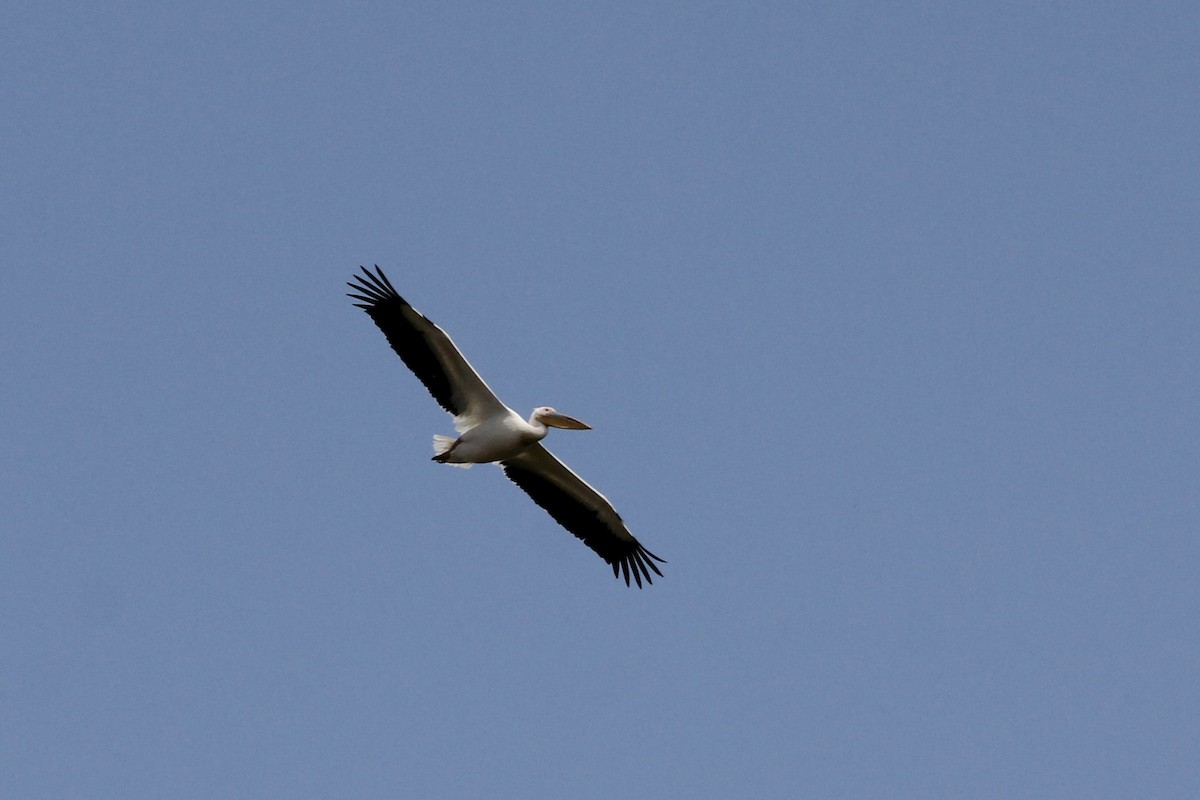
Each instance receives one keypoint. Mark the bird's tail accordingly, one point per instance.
(441, 446)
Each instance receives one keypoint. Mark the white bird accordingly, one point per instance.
(490, 431)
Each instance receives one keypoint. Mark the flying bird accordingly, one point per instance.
(490, 431)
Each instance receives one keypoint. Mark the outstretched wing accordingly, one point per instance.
(581, 510)
(427, 351)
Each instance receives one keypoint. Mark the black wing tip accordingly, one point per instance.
(634, 564)
(372, 289)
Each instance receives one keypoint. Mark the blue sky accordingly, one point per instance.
(885, 317)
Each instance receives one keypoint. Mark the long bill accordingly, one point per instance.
(557, 420)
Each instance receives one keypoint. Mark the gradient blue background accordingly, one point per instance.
(885, 315)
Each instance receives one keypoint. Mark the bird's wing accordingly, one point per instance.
(427, 351)
(581, 510)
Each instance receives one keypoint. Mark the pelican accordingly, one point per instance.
(491, 432)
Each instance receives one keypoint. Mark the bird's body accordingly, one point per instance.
(498, 437)
(490, 431)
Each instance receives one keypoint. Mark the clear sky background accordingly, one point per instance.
(885, 316)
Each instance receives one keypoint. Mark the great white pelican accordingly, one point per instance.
(490, 431)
